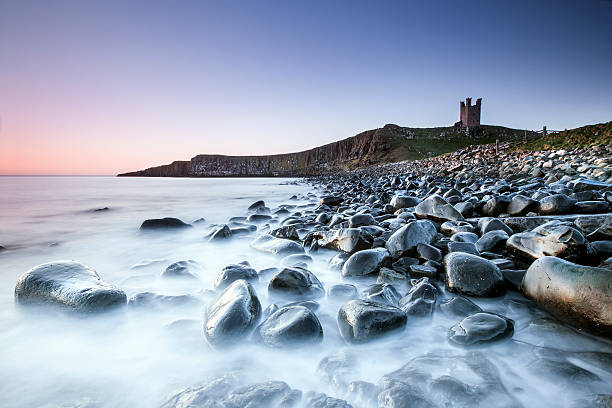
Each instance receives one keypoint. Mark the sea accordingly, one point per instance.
(139, 357)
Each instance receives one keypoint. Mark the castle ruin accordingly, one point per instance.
(469, 115)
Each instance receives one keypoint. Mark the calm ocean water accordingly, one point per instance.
(136, 358)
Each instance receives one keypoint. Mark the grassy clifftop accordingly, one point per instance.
(585, 136)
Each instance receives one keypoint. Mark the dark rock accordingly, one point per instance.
(493, 224)
(382, 293)
(291, 326)
(234, 272)
(68, 284)
(361, 321)
(492, 241)
(256, 205)
(556, 204)
(429, 252)
(331, 201)
(258, 218)
(422, 271)
(267, 394)
(296, 283)
(286, 232)
(449, 228)
(338, 260)
(319, 400)
(233, 316)
(479, 328)
(472, 275)
(403, 201)
(521, 205)
(575, 294)
(365, 262)
(466, 247)
(406, 239)
(359, 220)
(180, 270)
(403, 395)
(438, 209)
(386, 275)
(459, 307)
(513, 278)
(496, 206)
(420, 300)
(220, 233)
(296, 260)
(163, 223)
(345, 239)
(464, 237)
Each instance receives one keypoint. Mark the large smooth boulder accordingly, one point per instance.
(361, 321)
(277, 246)
(472, 275)
(420, 300)
(437, 208)
(521, 205)
(291, 326)
(406, 239)
(296, 283)
(344, 239)
(556, 204)
(575, 294)
(404, 201)
(163, 223)
(359, 220)
(551, 239)
(233, 316)
(481, 327)
(234, 272)
(70, 285)
(366, 262)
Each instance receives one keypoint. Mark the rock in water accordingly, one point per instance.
(575, 294)
(277, 246)
(366, 262)
(163, 223)
(232, 317)
(479, 328)
(472, 275)
(180, 270)
(69, 284)
(296, 283)
(289, 326)
(361, 320)
(406, 239)
(234, 272)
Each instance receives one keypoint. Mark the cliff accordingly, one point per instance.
(383, 145)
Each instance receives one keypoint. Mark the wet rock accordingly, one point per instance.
(513, 278)
(481, 327)
(493, 224)
(342, 291)
(209, 395)
(496, 206)
(366, 262)
(267, 394)
(459, 307)
(521, 205)
(556, 204)
(234, 272)
(344, 239)
(257, 205)
(420, 300)
(382, 293)
(575, 294)
(492, 241)
(258, 218)
(362, 321)
(70, 285)
(403, 395)
(422, 271)
(331, 201)
(551, 239)
(359, 220)
(386, 275)
(180, 270)
(163, 223)
(405, 240)
(220, 233)
(464, 237)
(338, 260)
(438, 209)
(472, 275)
(233, 316)
(296, 260)
(449, 228)
(286, 232)
(429, 252)
(277, 246)
(466, 247)
(291, 326)
(296, 283)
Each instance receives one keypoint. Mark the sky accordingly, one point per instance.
(103, 87)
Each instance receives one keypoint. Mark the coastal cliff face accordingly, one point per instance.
(365, 148)
(387, 144)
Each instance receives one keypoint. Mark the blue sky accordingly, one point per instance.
(103, 87)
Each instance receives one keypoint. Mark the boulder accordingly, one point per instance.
(362, 321)
(342, 291)
(296, 283)
(70, 285)
(420, 300)
(220, 233)
(480, 327)
(551, 239)
(163, 223)
(575, 294)
(472, 275)
(234, 272)
(556, 204)
(277, 246)
(366, 262)
(180, 270)
(459, 307)
(437, 208)
(344, 239)
(233, 316)
(359, 220)
(406, 239)
(404, 201)
(291, 326)
(521, 205)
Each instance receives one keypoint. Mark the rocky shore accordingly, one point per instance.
(457, 243)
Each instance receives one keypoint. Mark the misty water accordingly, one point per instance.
(137, 357)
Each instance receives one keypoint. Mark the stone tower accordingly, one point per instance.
(469, 115)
